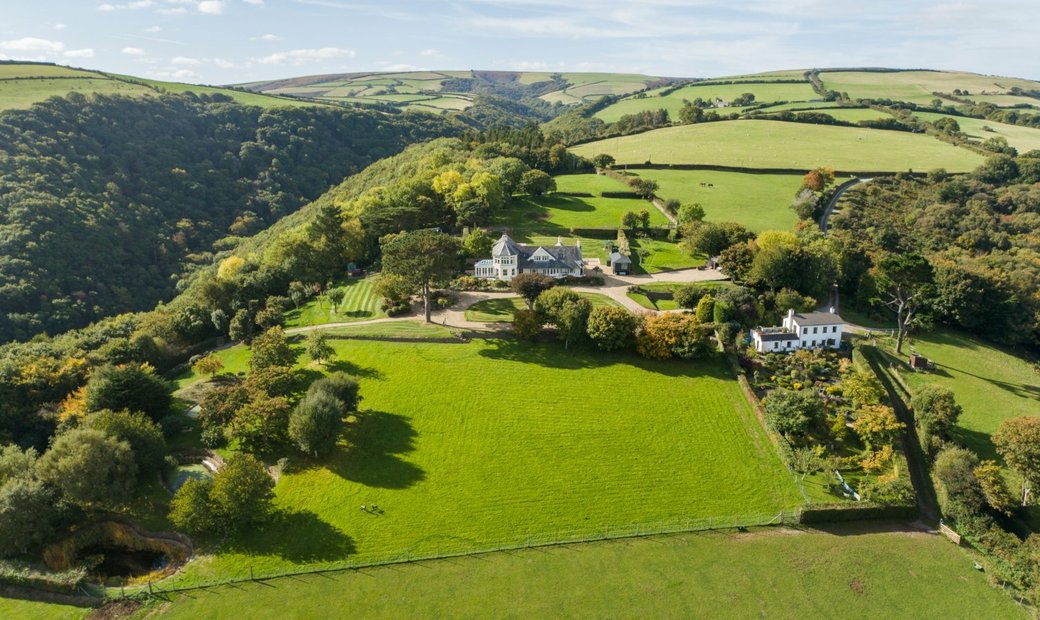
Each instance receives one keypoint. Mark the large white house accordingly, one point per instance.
(509, 259)
(807, 330)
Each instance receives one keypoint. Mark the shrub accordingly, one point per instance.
(793, 413)
(28, 515)
(688, 297)
(526, 324)
(316, 422)
(144, 436)
(133, 387)
(90, 467)
(663, 336)
(935, 410)
(611, 328)
(955, 469)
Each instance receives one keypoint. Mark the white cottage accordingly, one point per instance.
(509, 259)
(807, 330)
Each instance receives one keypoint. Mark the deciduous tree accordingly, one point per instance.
(420, 259)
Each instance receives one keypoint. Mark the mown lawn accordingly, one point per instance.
(776, 144)
(360, 303)
(470, 445)
(662, 292)
(557, 214)
(757, 201)
(501, 309)
(16, 609)
(991, 384)
(840, 573)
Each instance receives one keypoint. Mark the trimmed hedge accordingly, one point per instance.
(632, 195)
(839, 513)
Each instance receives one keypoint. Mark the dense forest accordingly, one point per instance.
(977, 233)
(107, 204)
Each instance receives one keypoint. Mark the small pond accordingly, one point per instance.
(177, 477)
(121, 563)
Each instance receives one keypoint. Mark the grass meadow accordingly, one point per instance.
(558, 213)
(360, 303)
(673, 102)
(776, 144)
(757, 201)
(1022, 138)
(500, 310)
(22, 93)
(917, 86)
(471, 445)
(841, 572)
(991, 384)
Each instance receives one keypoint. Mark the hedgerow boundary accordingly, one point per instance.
(557, 538)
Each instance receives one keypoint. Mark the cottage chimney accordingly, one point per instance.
(790, 313)
(559, 240)
(832, 309)
(578, 243)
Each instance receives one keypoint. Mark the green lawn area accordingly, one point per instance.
(758, 201)
(558, 214)
(989, 383)
(471, 445)
(501, 309)
(360, 303)
(776, 144)
(392, 329)
(839, 573)
(665, 290)
(20, 94)
(663, 255)
(673, 102)
(31, 610)
(854, 115)
(1022, 138)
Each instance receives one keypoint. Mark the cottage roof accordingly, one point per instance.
(775, 336)
(618, 257)
(817, 318)
(563, 256)
(505, 247)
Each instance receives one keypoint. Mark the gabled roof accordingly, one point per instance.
(618, 257)
(817, 318)
(505, 247)
(775, 336)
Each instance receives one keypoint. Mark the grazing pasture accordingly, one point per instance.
(840, 572)
(775, 144)
(918, 86)
(673, 102)
(757, 201)
(977, 129)
(471, 445)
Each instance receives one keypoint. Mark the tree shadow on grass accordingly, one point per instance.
(296, 536)
(353, 369)
(372, 458)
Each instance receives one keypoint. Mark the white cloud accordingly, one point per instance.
(254, 2)
(32, 44)
(137, 4)
(83, 53)
(270, 37)
(60, 26)
(400, 66)
(179, 75)
(153, 29)
(429, 52)
(211, 7)
(301, 56)
(133, 51)
(223, 64)
(184, 60)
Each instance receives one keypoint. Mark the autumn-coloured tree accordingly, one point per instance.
(1018, 441)
(818, 179)
(877, 425)
(209, 364)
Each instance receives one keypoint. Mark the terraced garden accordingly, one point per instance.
(775, 144)
(360, 303)
(475, 457)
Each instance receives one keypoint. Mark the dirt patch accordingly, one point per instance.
(858, 586)
(115, 610)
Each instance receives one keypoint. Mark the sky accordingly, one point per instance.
(233, 41)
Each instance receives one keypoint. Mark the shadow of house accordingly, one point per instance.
(372, 458)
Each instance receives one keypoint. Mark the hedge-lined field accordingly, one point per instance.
(777, 144)
(474, 444)
(673, 101)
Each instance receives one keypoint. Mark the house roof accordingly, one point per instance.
(505, 247)
(563, 256)
(817, 318)
(618, 257)
(775, 336)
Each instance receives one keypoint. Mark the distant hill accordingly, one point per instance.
(456, 90)
(23, 84)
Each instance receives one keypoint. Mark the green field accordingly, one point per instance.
(842, 572)
(392, 329)
(989, 383)
(775, 144)
(30, 610)
(673, 102)
(917, 86)
(758, 201)
(558, 214)
(22, 93)
(1022, 138)
(461, 453)
(501, 309)
(361, 303)
(854, 115)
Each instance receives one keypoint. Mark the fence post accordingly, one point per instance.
(251, 573)
(150, 587)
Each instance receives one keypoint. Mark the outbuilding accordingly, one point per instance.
(620, 265)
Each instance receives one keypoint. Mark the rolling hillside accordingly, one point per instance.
(23, 84)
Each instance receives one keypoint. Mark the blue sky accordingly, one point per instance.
(226, 41)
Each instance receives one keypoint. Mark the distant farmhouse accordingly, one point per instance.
(509, 259)
(808, 330)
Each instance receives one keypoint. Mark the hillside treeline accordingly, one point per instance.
(447, 183)
(978, 233)
(108, 203)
